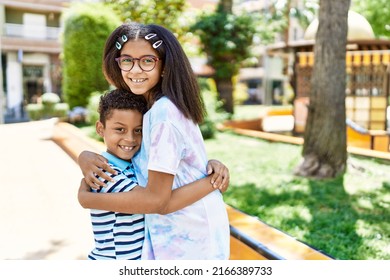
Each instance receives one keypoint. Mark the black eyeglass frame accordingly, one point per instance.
(154, 58)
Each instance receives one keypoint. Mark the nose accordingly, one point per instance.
(130, 137)
(136, 68)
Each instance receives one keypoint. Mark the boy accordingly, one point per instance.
(119, 235)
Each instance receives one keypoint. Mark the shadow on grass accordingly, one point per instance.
(319, 213)
(333, 225)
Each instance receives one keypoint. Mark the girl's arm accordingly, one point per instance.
(157, 197)
(187, 195)
(93, 166)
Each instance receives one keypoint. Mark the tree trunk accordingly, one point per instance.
(325, 148)
(225, 92)
(227, 6)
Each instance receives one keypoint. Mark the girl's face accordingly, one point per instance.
(122, 133)
(139, 81)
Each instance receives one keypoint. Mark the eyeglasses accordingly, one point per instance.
(146, 63)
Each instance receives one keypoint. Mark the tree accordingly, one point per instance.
(377, 14)
(86, 29)
(325, 148)
(226, 39)
(168, 13)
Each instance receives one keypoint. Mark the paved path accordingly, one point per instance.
(40, 217)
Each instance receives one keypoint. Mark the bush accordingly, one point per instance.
(49, 100)
(35, 111)
(208, 129)
(87, 27)
(61, 110)
(215, 114)
(92, 108)
(49, 108)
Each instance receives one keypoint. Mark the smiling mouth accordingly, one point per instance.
(138, 80)
(127, 148)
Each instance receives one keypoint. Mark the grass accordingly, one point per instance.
(347, 217)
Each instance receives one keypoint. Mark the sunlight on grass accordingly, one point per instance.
(375, 243)
(365, 203)
(293, 213)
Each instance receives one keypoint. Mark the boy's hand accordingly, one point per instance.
(220, 175)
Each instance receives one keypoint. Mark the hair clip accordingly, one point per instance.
(157, 44)
(150, 36)
(124, 38)
(118, 45)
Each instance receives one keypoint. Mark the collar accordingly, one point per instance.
(120, 163)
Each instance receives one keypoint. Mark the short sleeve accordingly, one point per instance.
(167, 148)
(121, 183)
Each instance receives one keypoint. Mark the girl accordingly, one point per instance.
(148, 60)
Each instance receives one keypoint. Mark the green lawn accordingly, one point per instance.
(347, 217)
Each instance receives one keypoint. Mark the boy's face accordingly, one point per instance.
(122, 133)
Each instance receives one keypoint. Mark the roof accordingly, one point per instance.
(307, 45)
(358, 28)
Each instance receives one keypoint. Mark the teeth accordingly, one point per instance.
(138, 80)
(127, 148)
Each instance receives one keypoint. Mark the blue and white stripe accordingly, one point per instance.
(118, 235)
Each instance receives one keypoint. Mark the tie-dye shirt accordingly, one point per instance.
(173, 144)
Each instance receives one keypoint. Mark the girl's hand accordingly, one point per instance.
(220, 175)
(92, 166)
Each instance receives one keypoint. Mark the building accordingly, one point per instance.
(267, 82)
(30, 50)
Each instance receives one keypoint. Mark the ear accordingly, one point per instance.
(99, 129)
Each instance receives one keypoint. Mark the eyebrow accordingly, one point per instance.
(154, 55)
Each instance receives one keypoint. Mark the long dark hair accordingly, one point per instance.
(178, 83)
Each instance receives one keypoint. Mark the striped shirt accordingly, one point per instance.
(117, 236)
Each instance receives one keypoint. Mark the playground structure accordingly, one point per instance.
(368, 81)
(367, 92)
(251, 239)
(280, 120)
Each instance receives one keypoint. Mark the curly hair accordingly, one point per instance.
(121, 100)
